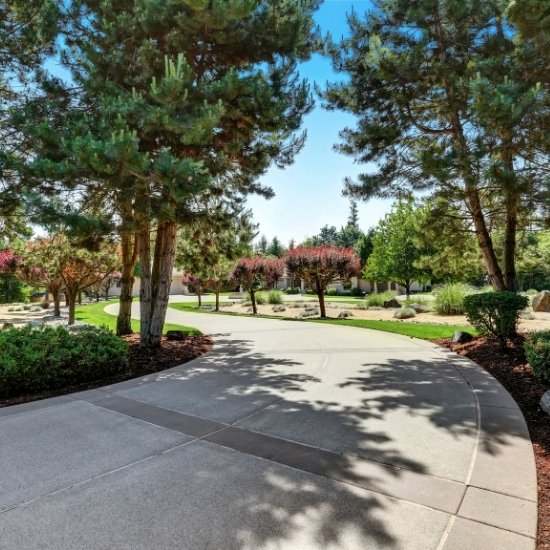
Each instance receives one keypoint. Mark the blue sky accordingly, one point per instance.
(309, 192)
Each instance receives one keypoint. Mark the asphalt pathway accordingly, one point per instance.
(287, 435)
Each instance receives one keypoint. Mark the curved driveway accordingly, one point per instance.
(287, 435)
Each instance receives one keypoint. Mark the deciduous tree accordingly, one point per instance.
(319, 266)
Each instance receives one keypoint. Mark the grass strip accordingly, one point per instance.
(423, 331)
(94, 314)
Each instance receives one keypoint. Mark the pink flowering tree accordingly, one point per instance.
(319, 266)
(247, 272)
(273, 271)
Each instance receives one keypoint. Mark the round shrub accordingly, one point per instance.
(537, 350)
(275, 297)
(332, 291)
(450, 299)
(46, 358)
(261, 298)
(495, 314)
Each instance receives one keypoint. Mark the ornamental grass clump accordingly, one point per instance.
(378, 299)
(495, 314)
(537, 351)
(450, 299)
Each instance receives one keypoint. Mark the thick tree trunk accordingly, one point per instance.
(145, 294)
(165, 252)
(130, 252)
(320, 294)
(485, 242)
(408, 288)
(217, 308)
(56, 305)
(71, 300)
(198, 289)
(253, 300)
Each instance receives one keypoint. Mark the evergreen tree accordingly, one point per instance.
(178, 99)
(443, 106)
(275, 248)
(261, 247)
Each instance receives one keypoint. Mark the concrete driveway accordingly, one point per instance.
(287, 435)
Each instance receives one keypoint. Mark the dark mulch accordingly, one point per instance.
(141, 363)
(510, 368)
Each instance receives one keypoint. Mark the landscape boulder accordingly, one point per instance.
(460, 337)
(393, 303)
(175, 335)
(420, 308)
(545, 402)
(345, 314)
(541, 301)
(404, 313)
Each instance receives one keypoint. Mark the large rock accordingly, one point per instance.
(545, 402)
(460, 337)
(420, 308)
(541, 301)
(405, 313)
(391, 303)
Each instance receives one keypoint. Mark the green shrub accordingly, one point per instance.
(295, 290)
(332, 291)
(531, 291)
(537, 350)
(46, 358)
(376, 299)
(356, 291)
(275, 297)
(261, 298)
(495, 314)
(449, 300)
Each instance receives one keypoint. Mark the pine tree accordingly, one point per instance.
(183, 97)
(443, 106)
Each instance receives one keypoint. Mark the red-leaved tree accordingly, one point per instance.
(247, 272)
(319, 266)
(273, 270)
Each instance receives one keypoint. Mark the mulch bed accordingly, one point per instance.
(510, 368)
(141, 362)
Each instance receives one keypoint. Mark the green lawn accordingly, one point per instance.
(94, 315)
(424, 331)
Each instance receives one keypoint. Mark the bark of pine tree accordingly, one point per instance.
(130, 252)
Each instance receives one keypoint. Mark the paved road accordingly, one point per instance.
(286, 436)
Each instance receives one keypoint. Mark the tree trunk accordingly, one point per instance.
(485, 242)
(161, 281)
(408, 289)
(56, 305)
(217, 308)
(320, 294)
(71, 299)
(145, 297)
(253, 300)
(97, 296)
(130, 251)
(80, 297)
(198, 289)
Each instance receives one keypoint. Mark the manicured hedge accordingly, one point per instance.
(46, 358)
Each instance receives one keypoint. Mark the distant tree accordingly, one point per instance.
(248, 272)
(275, 248)
(261, 247)
(272, 272)
(395, 249)
(363, 247)
(40, 267)
(321, 265)
(197, 282)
